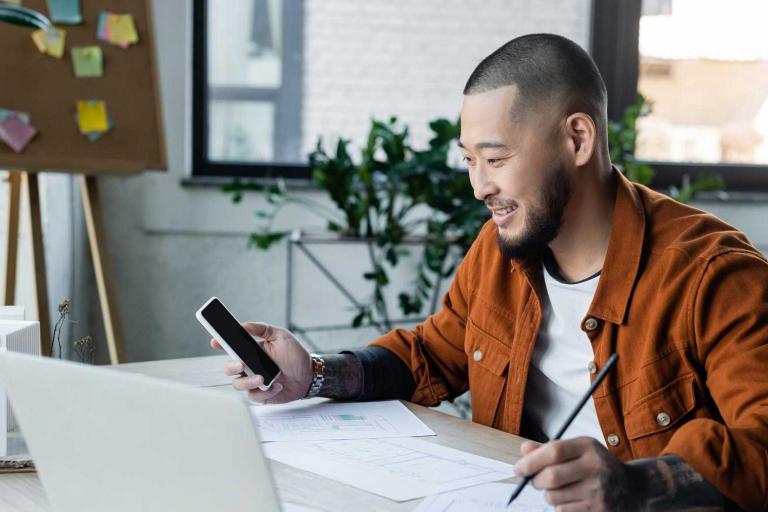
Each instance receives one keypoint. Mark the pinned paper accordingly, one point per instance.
(94, 136)
(65, 11)
(5, 113)
(15, 132)
(117, 29)
(92, 116)
(50, 41)
(88, 61)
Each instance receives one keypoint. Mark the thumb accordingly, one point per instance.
(528, 447)
(258, 329)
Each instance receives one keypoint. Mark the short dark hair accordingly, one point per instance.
(545, 68)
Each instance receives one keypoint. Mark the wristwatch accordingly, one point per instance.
(318, 375)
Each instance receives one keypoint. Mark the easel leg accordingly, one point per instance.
(12, 242)
(38, 254)
(89, 191)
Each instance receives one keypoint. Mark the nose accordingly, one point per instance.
(483, 185)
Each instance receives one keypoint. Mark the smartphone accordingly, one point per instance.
(236, 341)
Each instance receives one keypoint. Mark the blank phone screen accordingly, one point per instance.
(248, 349)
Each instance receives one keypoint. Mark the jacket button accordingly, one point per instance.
(663, 419)
(612, 439)
(590, 324)
(592, 367)
(478, 355)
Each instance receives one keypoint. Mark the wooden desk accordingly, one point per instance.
(23, 492)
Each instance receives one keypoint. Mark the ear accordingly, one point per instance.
(581, 132)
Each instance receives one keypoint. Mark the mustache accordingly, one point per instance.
(500, 203)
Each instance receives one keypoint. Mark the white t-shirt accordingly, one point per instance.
(559, 373)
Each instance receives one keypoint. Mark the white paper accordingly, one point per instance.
(398, 469)
(315, 420)
(487, 498)
(293, 507)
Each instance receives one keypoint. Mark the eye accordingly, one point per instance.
(467, 160)
(495, 162)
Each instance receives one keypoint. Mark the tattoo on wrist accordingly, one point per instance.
(343, 377)
(669, 483)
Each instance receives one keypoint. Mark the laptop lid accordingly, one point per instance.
(103, 439)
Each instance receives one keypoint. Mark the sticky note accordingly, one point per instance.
(101, 29)
(92, 116)
(65, 11)
(122, 30)
(50, 41)
(87, 61)
(117, 29)
(21, 115)
(16, 133)
(94, 136)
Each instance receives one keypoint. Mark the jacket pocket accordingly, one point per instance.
(488, 362)
(653, 418)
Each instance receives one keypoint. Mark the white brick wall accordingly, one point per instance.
(409, 58)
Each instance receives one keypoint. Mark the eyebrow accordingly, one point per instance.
(487, 145)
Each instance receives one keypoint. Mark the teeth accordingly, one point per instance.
(504, 211)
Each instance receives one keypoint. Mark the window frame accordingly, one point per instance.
(287, 99)
(615, 36)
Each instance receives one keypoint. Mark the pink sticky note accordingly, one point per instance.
(16, 133)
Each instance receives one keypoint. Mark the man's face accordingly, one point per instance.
(514, 167)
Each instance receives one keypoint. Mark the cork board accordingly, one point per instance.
(46, 88)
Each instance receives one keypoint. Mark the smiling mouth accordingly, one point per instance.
(503, 211)
(501, 216)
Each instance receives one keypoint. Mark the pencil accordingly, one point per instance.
(600, 376)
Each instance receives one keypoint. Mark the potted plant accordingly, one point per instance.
(377, 196)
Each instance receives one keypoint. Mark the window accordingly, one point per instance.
(247, 88)
(272, 77)
(703, 67)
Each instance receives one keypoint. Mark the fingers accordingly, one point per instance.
(529, 446)
(233, 368)
(248, 382)
(554, 452)
(215, 344)
(259, 329)
(559, 475)
(579, 491)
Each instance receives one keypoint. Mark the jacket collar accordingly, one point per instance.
(622, 261)
(625, 250)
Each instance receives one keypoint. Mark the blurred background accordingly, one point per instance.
(249, 87)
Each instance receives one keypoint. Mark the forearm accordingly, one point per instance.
(669, 483)
(343, 377)
(371, 373)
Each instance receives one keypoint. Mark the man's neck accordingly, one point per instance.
(582, 244)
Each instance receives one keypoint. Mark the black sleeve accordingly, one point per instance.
(385, 375)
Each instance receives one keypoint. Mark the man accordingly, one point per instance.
(578, 263)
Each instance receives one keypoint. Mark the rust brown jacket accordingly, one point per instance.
(682, 299)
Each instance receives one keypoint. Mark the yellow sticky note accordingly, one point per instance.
(38, 36)
(92, 116)
(51, 41)
(55, 38)
(122, 29)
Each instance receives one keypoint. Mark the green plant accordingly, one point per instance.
(378, 198)
(622, 140)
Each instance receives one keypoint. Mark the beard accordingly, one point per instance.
(543, 221)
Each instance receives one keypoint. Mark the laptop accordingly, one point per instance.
(103, 439)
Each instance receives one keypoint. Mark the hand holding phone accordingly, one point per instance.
(236, 341)
(283, 349)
